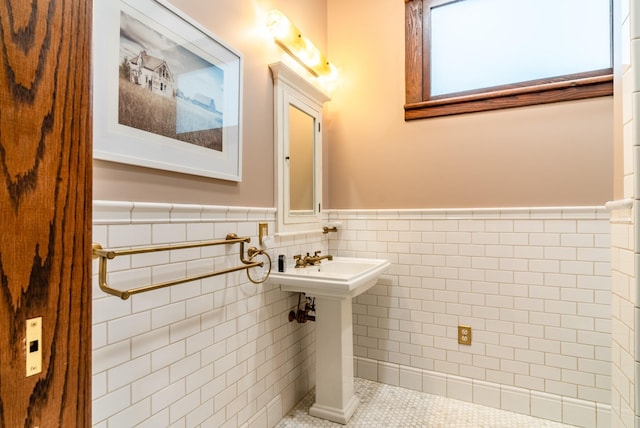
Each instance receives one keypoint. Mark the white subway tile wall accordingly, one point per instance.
(625, 367)
(534, 285)
(218, 352)
(624, 318)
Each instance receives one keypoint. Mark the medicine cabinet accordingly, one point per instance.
(298, 154)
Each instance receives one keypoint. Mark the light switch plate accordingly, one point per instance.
(33, 346)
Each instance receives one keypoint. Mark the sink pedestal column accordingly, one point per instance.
(335, 394)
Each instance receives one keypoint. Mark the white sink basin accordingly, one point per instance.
(340, 277)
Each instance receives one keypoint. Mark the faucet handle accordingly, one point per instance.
(315, 253)
(300, 263)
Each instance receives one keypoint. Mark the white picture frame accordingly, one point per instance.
(167, 94)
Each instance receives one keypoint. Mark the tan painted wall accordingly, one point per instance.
(240, 24)
(559, 154)
(618, 90)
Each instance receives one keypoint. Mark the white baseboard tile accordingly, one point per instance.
(274, 411)
(411, 378)
(603, 416)
(515, 400)
(366, 369)
(434, 383)
(388, 373)
(486, 393)
(289, 398)
(460, 388)
(578, 413)
(547, 406)
(270, 415)
(259, 420)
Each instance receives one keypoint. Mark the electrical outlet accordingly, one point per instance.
(33, 346)
(464, 335)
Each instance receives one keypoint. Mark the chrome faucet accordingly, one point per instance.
(309, 260)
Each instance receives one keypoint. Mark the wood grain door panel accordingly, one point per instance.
(45, 210)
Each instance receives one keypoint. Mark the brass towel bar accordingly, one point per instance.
(232, 238)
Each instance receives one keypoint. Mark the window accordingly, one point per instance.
(474, 55)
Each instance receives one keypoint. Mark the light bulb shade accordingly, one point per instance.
(279, 24)
(289, 38)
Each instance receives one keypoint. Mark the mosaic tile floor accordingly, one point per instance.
(386, 406)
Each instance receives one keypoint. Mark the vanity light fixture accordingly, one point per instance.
(288, 37)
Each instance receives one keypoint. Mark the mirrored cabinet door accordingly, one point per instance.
(300, 162)
(298, 154)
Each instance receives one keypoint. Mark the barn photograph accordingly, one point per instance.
(166, 89)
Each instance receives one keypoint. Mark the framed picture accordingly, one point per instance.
(167, 93)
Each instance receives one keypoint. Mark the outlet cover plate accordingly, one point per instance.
(464, 335)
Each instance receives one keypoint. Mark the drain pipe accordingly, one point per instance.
(302, 315)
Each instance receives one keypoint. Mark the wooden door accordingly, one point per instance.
(45, 210)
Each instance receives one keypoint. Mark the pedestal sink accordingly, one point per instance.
(333, 284)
